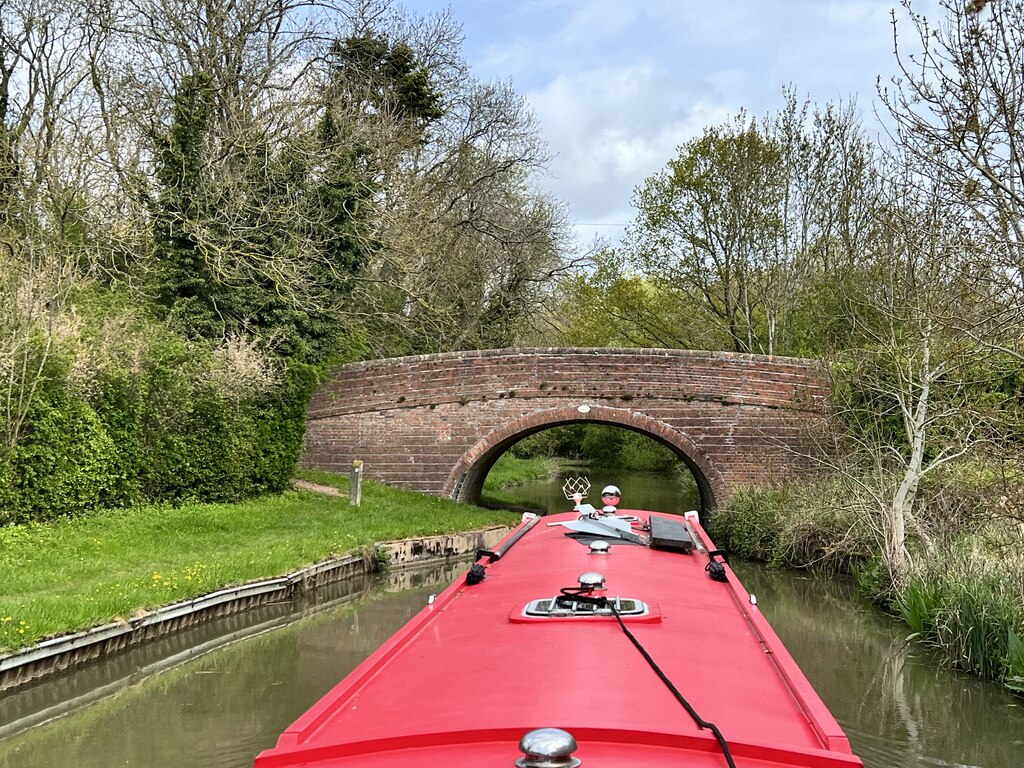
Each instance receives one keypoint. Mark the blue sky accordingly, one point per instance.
(616, 86)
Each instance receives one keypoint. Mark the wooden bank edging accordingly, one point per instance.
(68, 651)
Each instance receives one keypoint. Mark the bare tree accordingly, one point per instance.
(42, 193)
(957, 112)
(914, 411)
(468, 247)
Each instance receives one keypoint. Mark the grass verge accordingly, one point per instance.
(510, 471)
(70, 575)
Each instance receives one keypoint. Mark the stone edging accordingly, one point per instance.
(68, 651)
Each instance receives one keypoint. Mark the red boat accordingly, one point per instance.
(597, 640)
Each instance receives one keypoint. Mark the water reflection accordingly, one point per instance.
(640, 490)
(897, 705)
(214, 702)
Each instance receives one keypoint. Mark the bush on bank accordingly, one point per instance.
(964, 593)
(599, 445)
(126, 411)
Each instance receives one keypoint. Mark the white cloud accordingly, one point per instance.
(617, 86)
(612, 130)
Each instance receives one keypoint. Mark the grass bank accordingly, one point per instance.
(510, 471)
(70, 575)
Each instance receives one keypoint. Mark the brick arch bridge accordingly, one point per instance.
(437, 423)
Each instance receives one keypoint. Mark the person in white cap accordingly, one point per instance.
(610, 498)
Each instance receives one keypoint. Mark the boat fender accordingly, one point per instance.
(475, 574)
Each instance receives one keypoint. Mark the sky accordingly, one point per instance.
(617, 86)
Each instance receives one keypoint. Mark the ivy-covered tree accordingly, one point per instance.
(371, 75)
(256, 238)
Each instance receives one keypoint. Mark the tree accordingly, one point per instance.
(750, 217)
(610, 306)
(909, 393)
(44, 237)
(467, 247)
(956, 111)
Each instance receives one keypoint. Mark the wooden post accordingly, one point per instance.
(355, 483)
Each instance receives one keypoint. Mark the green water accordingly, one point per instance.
(217, 695)
(640, 490)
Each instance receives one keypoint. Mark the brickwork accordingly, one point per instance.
(437, 423)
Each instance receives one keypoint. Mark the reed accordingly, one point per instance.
(963, 595)
(968, 601)
(69, 575)
(749, 525)
(799, 526)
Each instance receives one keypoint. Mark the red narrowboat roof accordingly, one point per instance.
(483, 664)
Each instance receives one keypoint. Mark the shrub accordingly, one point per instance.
(749, 524)
(65, 462)
(132, 412)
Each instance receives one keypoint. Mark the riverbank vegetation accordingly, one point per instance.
(193, 231)
(962, 591)
(192, 236)
(74, 573)
(898, 265)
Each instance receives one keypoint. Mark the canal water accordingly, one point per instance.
(215, 696)
(640, 490)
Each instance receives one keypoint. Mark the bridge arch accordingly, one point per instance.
(466, 479)
(437, 423)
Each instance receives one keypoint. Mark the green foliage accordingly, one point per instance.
(612, 307)
(383, 77)
(798, 525)
(963, 596)
(64, 464)
(918, 604)
(510, 471)
(562, 442)
(600, 445)
(749, 525)
(133, 412)
(184, 282)
(1014, 661)
(266, 244)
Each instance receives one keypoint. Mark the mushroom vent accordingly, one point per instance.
(591, 581)
(547, 748)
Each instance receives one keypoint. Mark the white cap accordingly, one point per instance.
(611, 490)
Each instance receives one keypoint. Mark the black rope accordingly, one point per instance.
(575, 593)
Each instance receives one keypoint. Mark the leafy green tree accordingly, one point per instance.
(704, 222)
(612, 306)
(754, 222)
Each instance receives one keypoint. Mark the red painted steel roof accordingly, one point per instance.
(462, 682)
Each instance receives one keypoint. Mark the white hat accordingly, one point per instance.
(611, 490)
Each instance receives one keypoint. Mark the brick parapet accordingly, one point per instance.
(736, 419)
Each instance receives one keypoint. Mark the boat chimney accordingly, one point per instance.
(547, 748)
(591, 581)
